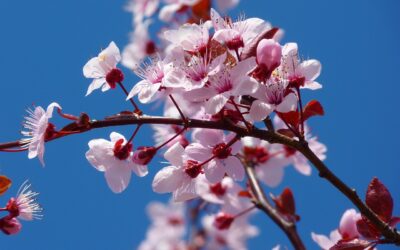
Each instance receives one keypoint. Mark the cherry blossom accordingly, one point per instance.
(224, 192)
(268, 159)
(300, 74)
(140, 46)
(142, 8)
(10, 225)
(272, 97)
(172, 6)
(226, 84)
(38, 129)
(114, 158)
(347, 230)
(102, 69)
(211, 146)
(179, 178)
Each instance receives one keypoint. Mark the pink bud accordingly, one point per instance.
(143, 155)
(10, 225)
(269, 54)
(223, 221)
(348, 224)
(114, 76)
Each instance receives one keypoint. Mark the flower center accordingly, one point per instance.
(256, 154)
(289, 151)
(114, 76)
(175, 221)
(193, 168)
(50, 131)
(235, 43)
(222, 151)
(121, 151)
(218, 189)
(297, 81)
(150, 48)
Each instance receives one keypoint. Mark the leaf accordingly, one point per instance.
(5, 184)
(217, 49)
(251, 49)
(312, 108)
(202, 10)
(379, 199)
(351, 245)
(366, 229)
(285, 204)
(292, 118)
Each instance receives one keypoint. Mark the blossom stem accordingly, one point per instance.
(178, 108)
(137, 110)
(301, 114)
(134, 134)
(241, 115)
(172, 138)
(247, 210)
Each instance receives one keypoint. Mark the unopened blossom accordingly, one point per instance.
(173, 6)
(273, 96)
(193, 38)
(269, 160)
(301, 74)
(142, 8)
(103, 69)
(38, 130)
(10, 225)
(114, 158)
(347, 231)
(269, 54)
(211, 146)
(239, 34)
(179, 178)
(139, 47)
(226, 84)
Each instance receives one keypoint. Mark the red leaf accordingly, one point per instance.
(366, 229)
(5, 184)
(285, 204)
(251, 49)
(312, 108)
(292, 118)
(351, 245)
(378, 198)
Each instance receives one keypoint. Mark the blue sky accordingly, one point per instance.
(45, 44)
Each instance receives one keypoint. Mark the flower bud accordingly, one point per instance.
(10, 225)
(143, 155)
(223, 221)
(269, 54)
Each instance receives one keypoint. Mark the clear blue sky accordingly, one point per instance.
(45, 43)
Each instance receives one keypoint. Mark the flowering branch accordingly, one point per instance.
(272, 137)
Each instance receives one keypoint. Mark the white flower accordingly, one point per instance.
(114, 158)
(38, 130)
(25, 203)
(101, 66)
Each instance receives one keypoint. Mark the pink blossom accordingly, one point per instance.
(269, 55)
(347, 231)
(172, 6)
(140, 46)
(179, 178)
(211, 146)
(267, 158)
(227, 83)
(300, 74)
(224, 192)
(38, 130)
(236, 35)
(272, 97)
(114, 158)
(102, 69)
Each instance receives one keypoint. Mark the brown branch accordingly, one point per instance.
(270, 136)
(263, 204)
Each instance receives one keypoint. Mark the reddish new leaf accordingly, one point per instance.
(292, 118)
(351, 245)
(285, 204)
(367, 230)
(5, 183)
(312, 108)
(378, 198)
(251, 49)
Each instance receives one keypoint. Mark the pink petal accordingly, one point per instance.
(118, 178)
(167, 180)
(215, 104)
(174, 154)
(289, 103)
(310, 69)
(260, 110)
(214, 171)
(234, 168)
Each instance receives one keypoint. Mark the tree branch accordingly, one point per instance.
(263, 204)
(270, 136)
